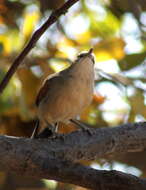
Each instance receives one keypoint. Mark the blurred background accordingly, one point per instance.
(116, 29)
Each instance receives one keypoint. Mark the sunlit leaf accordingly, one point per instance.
(66, 47)
(110, 24)
(84, 38)
(30, 21)
(103, 24)
(7, 40)
(109, 49)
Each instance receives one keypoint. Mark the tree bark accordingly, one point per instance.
(53, 158)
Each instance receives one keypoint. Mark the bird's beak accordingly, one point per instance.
(90, 51)
(90, 54)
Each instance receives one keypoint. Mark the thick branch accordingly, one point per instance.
(77, 174)
(35, 37)
(45, 158)
(80, 145)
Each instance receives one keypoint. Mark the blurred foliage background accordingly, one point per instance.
(116, 29)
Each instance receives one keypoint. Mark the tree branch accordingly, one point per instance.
(52, 158)
(77, 174)
(80, 145)
(35, 37)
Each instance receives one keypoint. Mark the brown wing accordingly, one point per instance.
(49, 83)
(42, 92)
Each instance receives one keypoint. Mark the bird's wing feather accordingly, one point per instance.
(48, 84)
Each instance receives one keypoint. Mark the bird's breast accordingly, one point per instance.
(70, 98)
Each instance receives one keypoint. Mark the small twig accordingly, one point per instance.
(35, 37)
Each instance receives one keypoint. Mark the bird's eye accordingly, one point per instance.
(81, 55)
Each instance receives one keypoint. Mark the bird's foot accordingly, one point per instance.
(88, 130)
(82, 126)
(57, 135)
(46, 133)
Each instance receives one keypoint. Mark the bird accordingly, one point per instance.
(64, 95)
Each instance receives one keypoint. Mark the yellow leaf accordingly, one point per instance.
(64, 42)
(66, 47)
(30, 21)
(109, 49)
(84, 38)
(5, 41)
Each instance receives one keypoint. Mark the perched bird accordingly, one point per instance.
(64, 95)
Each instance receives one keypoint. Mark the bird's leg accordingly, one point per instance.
(47, 132)
(55, 128)
(35, 131)
(50, 131)
(81, 125)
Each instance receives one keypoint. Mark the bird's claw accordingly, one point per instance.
(88, 130)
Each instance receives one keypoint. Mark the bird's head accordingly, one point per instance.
(85, 55)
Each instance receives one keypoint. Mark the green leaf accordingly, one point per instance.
(1, 48)
(132, 60)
